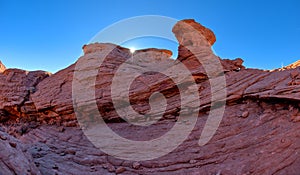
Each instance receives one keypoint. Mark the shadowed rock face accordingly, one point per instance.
(16, 89)
(259, 133)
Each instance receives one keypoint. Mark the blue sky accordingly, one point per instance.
(49, 34)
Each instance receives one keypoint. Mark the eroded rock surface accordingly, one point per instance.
(259, 132)
(16, 87)
(14, 158)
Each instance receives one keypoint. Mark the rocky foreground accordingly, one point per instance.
(259, 132)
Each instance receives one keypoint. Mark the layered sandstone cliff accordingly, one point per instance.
(259, 132)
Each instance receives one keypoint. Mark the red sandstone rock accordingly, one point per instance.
(13, 157)
(16, 88)
(258, 133)
(291, 66)
(2, 67)
(187, 25)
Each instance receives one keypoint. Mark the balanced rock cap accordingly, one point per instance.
(181, 28)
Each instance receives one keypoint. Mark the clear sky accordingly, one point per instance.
(49, 34)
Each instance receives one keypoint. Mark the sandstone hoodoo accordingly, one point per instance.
(258, 134)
